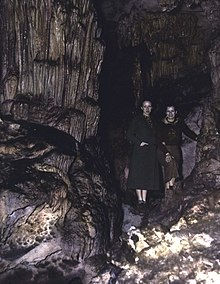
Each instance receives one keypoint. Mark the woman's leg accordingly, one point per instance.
(171, 168)
(144, 195)
(139, 195)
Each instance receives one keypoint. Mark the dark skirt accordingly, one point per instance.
(144, 169)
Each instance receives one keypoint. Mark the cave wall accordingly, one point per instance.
(52, 55)
(58, 205)
(207, 169)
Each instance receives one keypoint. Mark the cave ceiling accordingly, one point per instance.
(113, 9)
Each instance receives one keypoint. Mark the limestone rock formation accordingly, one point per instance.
(57, 202)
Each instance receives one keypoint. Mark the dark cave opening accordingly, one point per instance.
(118, 100)
(116, 90)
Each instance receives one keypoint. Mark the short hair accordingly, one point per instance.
(171, 105)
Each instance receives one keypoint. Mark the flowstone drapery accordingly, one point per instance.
(58, 203)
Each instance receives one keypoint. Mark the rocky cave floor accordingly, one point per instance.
(172, 242)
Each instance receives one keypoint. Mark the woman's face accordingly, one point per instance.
(146, 108)
(170, 112)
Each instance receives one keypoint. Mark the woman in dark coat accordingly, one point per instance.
(144, 166)
(170, 134)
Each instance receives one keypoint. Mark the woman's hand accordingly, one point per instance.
(143, 144)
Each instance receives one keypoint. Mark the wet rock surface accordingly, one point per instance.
(58, 206)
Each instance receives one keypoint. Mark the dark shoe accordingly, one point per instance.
(142, 207)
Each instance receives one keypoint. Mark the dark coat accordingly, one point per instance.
(144, 171)
(170, 133)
